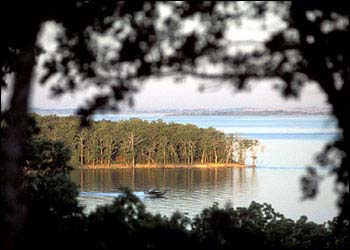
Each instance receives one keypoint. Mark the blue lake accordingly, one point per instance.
(288, 145)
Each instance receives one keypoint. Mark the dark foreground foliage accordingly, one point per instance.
(56, 221)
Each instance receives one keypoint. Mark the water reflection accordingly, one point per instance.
(191, 190)
(108, 180)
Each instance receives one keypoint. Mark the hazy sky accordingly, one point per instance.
(164, 93)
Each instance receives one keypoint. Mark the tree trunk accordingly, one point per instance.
(164, 156)
(215, 155)
(13, 212)
(124, 152)
(132, 138)
(101, 155)
(88, 155)
(81, 150)
(191, 153)
(229, 153)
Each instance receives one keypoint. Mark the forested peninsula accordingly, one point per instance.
(135, 142)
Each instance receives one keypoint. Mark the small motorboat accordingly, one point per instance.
(155, 193)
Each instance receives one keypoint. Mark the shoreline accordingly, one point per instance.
(170, 166)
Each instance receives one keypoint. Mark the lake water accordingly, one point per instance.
(288, 145)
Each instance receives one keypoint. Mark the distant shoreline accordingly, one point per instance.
(250, 114)
(309, 111)
(172, 166)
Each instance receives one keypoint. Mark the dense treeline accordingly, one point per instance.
(136, 141)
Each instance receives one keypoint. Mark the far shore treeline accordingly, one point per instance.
(135, 141)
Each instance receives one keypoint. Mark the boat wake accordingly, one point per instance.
(140, 195)
(108, 194)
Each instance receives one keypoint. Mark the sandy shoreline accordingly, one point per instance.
(209, 165)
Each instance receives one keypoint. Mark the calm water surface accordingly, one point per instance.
(289, 144)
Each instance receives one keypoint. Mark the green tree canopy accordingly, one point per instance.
(132, 142)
